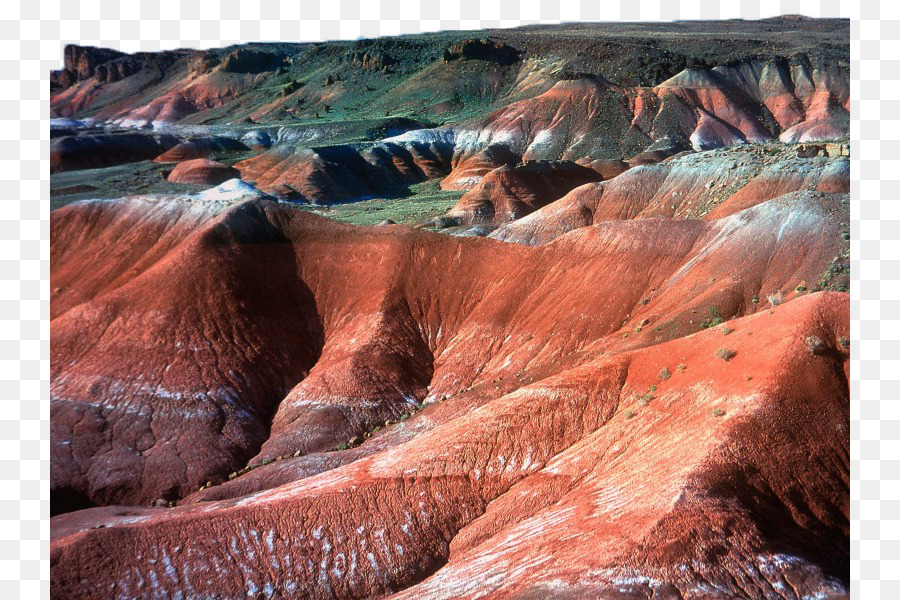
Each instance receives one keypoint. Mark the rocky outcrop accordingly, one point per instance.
(202, 171)
(373, 61)
(482, 49)
(249, 60)
(81, 62)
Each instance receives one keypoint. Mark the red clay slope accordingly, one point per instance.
(342, 173)
(511, 192)
(707, 185)
(181, 334)
(660, 472)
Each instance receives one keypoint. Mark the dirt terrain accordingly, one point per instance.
(549, 312)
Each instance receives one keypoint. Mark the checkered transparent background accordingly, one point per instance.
(32, 36)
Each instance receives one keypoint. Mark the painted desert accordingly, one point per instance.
(558, 311)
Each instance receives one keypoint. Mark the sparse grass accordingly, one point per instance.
(681, 367)
(726, 354)
(665, 373)
(646, 398)
(714, 318)
(424, 201)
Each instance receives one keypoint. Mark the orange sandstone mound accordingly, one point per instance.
(200, 148)
(509, 193)
(202, 171)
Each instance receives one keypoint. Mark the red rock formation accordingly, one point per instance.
(92, 151)
(200, 147)
(588, 117)
(510, 193)
(704, 185)
(341, 173)
(469, 170)
(726, 475)
(385, 347)
(202, 171)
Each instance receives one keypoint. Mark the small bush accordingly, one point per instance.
(714, 318)
(727, 330)
(645, 399)
(628, 414)
(665, 374)
(844, 342)
(718, 412)
(726, 354)
(801, 288)
(775, 298)
(816, 345)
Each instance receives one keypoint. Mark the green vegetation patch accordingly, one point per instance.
(425, 200)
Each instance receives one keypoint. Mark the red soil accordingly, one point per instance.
(674, 491)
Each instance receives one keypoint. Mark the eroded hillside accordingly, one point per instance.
(604, 353)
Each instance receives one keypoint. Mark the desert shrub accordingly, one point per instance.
(844, 342)
(718, 412)
(775, 298)
(628, 414)
(727, 330)
(714, 318)
(665, 373)
(816, 345)
(726, 354)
